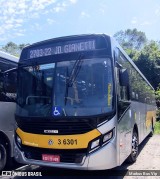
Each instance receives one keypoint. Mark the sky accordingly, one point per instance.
(30, 21)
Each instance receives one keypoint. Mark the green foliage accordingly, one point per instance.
(157, 128)
(13, 48)
(21, 46)
(152, 51)
(158, 93)
(148, 61)
(145, 55)
(131, 39)
(133, 54)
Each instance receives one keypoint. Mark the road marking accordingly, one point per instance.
(22, 167)
(30, 167)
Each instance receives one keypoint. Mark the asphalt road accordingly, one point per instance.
(147, 164)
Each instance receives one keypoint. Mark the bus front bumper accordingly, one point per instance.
(103, 158)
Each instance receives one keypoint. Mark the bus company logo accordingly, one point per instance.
(51, 131)
(50, 142)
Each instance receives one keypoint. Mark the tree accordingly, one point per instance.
(13, 48)
(146, 54)
(131, 39)
(152, 50)
(148, 61)
(21, 46)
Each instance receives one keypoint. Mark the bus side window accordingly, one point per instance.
(122, 78)
(10, 85)
(122, 83)
(10, 82)
(2, 96)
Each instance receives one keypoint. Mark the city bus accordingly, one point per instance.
(81, 104)
(8, 65)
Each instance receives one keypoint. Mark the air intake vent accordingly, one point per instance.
(56, 128)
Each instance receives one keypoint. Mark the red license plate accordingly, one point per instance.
(50, 158)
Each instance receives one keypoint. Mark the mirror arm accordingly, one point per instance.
(118, 65)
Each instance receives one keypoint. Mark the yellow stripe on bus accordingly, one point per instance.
(77, 141)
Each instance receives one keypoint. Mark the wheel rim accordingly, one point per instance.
(134, 145)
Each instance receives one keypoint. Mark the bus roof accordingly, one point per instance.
(65, 38)
(8, 56)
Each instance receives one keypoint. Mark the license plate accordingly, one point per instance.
(50, 158)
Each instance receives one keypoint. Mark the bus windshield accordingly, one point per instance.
(81, 87)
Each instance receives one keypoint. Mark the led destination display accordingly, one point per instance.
(61, 49)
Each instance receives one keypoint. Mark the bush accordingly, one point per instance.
(157, 128)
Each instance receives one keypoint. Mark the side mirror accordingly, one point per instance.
(124, 77)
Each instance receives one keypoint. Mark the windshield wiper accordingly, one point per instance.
(75, 70)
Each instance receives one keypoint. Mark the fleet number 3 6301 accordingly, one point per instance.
(67, 142)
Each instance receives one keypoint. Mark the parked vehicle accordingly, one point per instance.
(8, 80)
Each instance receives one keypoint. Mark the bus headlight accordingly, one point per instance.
(101, 140)
(95, 144)
(18, 141)
(107, 137)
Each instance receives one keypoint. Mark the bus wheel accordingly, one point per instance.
(134, 152)
(3, 156)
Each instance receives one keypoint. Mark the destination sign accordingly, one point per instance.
(61, 49)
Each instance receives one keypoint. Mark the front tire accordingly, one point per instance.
(134, 152)
(3, 156)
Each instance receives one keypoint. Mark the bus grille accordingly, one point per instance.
(62, 128)
(66, 156)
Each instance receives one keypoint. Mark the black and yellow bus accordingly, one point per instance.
(81, 103)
